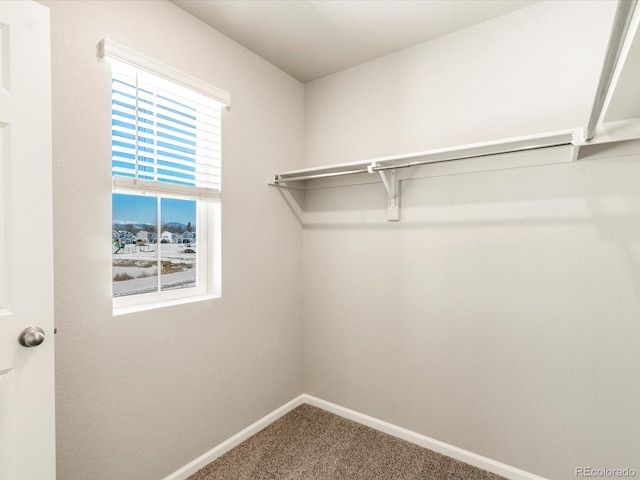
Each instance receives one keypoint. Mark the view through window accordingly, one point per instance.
(154, 244)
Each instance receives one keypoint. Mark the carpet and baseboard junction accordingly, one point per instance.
(310, 439)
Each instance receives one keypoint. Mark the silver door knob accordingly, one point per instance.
(31, 337)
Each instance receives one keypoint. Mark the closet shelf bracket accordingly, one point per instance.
(392, 186)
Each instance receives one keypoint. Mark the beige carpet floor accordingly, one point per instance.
(311, 444)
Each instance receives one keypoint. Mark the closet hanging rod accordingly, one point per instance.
(279, 177)
(621, 23)
(377, 168)
(522, 144)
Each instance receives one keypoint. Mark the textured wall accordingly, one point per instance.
(141, 395)
(500, 314)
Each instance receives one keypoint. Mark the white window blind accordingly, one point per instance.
(166, 139)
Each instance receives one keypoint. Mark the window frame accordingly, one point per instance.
(208, 200)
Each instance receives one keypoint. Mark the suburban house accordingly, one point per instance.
(144, 236)
(124, 236)
(188, 237)
(167, 237)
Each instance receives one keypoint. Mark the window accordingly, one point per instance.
(166, 170)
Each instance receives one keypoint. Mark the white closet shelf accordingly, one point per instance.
(573, 140)
(510, 145)
(605, 133)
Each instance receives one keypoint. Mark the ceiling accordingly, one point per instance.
(312, 38)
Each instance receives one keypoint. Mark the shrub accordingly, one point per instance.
(120, 277)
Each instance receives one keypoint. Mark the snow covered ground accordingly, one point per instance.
(135, 269)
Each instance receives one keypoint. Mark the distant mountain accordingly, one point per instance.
(173, 227)
(134, 227)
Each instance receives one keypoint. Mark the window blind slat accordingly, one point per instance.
(150, 117)
(202, 175)
(176, 100)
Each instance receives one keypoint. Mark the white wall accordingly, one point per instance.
(500, 314)
(141, 395)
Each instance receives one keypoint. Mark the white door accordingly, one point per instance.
(27, 416)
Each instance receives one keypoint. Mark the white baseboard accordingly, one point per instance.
(219, 450)
(465, 456)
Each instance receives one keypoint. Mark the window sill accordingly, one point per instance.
(124, 310)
